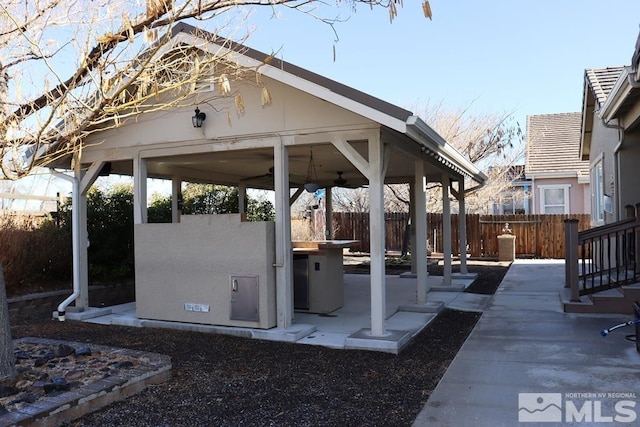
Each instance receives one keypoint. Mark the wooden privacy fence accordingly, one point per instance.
(536, 235)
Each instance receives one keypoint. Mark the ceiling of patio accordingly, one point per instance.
(255, 167)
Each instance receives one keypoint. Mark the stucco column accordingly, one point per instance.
(446, 229)
(377, 238)
(462, 218)
(284, 256)
(176, 196)
(139, 190)
(419, 250)
(328, 209)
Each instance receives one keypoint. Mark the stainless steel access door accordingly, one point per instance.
(244, 298)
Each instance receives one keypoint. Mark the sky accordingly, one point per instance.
(522, 57)
(500, 56)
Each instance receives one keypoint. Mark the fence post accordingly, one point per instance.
(571, 257)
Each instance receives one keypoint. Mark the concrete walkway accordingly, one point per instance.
(524, 343)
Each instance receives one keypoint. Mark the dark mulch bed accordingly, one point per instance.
(230, 381)
(490, 274)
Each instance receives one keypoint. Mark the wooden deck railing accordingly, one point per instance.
(603, 257)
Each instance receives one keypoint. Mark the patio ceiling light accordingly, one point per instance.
(198, 118)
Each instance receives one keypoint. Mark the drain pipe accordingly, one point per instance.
(75, 239)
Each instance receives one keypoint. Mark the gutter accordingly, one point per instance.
(75, 236)
(419, 131)
(618, 94)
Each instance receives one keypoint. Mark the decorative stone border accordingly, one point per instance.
(152, 368)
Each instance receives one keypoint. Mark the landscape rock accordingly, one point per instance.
(7, 390)
(83, 351)
(63, 350)
(57, 385)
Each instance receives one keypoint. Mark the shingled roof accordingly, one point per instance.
(553, 146)
(601, 81)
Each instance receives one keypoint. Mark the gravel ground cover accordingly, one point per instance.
(229, 381)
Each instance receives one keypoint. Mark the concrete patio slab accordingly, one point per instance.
(392, 341)
(333, 329)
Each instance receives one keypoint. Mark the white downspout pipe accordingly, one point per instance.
(75, 240)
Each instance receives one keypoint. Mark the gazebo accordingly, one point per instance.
(195, 268)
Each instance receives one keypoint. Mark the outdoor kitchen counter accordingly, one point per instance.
(318, 285)
(300, 246)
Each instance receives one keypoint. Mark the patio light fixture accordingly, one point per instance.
(311, 183)
(198, 118)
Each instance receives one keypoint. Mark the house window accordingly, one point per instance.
(554, 199)
(513, 203)
(597, 191)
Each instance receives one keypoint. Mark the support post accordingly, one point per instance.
(412, 222)
(242, 200)
(462, 225)
(328, 207)
(82, 302)
(176, 199)
(284, 256)
(377, 238)
(446, 230)
(139, 190)
(419, 250)
(571, 258)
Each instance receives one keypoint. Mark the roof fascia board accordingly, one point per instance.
(587, 121)
(419, 131)
(294, 81)
(617, 96)
(560, 174)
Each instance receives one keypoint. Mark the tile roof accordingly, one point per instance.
(553, 144)
(601, 81)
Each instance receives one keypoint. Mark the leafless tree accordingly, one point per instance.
(7, 367)
(489, 140)
(76, 66)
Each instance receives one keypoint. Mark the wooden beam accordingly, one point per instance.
(354, 157)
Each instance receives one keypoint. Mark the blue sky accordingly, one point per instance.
(499, 56)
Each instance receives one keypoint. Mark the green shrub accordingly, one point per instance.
(37, 252)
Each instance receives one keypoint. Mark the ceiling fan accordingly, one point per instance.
(340, 181)
(293, 178)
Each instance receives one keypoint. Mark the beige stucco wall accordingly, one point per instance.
(290, 110)
(192, 261)
(603, 141)
(578, 204)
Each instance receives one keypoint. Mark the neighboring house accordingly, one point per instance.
(515, 200)
(611, 140)
(222, 270)
(559, 179)
(598, 142)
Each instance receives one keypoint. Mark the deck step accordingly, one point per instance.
(618, 300)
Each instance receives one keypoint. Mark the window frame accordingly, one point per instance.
(597, 190)
(544, 206)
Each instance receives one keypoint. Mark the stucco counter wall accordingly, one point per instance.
(191, 263)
